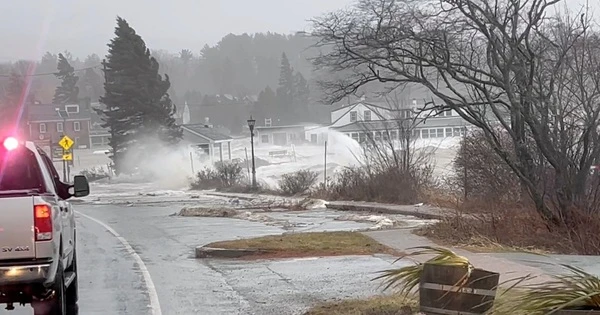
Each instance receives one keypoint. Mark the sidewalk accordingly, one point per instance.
(402, 239)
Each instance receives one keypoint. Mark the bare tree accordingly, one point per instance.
(506, 67)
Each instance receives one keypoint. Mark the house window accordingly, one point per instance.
(448, 113)
(72, 109)
(76, 126)
(440, 132)
(416, 134)
(59, 127)
(353, 116)
(394, 135)
(377, 135)
(385, 135)
(362, 137)
(425, 133)
(367, 115)
(459, 132)
(264, 138)
(42, 128)
(268, 122)
(355, 135)
(448, 132)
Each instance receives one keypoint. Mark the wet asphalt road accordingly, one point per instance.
(111, 281)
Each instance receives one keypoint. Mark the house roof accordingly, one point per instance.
(47, 112)
(432, 122)
(348, 108)
(369, 125)
(207, 133)
(279, 127)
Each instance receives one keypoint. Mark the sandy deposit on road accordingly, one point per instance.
(379, 222)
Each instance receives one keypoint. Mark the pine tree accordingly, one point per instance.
(16, 98)
(266, 105)
(301, 97)
(67, 92)
(136, 97)
(285, 90)
(127, 61)
(161, 110)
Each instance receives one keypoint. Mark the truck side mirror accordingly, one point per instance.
(81, 187)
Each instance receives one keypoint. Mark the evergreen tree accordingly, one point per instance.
(301, 98)
(285, 90)
(14, 109)
(67, 92)
(159, 115)
(136, 98)
(124, 94)
(266, 105)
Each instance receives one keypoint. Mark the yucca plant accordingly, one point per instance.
(577, 290)
(405, 279)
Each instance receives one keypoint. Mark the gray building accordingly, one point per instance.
(207, 142)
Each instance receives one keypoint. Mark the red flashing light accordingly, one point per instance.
(42, 215)
(10, 143)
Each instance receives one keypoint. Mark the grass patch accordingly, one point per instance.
(398, 305)
(379, 305)
(309, 244)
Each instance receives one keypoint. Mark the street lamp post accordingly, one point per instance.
(251, 123)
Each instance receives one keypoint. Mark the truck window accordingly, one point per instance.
(19, 170)
(50, 166)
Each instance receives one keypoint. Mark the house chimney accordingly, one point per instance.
(206, 122)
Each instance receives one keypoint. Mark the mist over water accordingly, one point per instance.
(168, 167)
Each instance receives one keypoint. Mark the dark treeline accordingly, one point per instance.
(239, 66)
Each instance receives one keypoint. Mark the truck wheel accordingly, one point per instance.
(73, 290)
(57, 305)
(58, 302)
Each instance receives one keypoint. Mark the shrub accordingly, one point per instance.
(389, 184)
(224, 175)
(481, 173)
(230, 173)
(206, 179)
(298, 182)
(95, 173)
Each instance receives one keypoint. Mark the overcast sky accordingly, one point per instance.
(29, 28)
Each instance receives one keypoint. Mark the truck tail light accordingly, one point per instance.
(42, 215)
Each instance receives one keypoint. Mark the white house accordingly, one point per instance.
(382, 121)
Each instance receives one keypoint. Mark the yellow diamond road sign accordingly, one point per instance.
(68, 157)
(66, 143)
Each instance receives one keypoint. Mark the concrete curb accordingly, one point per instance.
(387, 209)
(214, 252)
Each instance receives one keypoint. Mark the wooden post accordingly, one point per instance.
(229, 149)
(192, 161)
(221, 151)
(325, 166)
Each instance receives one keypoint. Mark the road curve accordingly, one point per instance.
(110, 281)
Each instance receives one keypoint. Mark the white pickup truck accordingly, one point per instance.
(38, 260)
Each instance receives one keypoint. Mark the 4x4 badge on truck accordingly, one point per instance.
(16, 249)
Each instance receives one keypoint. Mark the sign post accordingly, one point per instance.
(66, 143)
